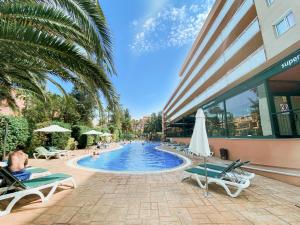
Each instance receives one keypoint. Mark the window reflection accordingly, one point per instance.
(248, 114)
(244, 115)
(215, 120)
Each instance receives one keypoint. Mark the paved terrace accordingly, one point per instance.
(160, 199)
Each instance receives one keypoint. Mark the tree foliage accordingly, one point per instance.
(43, 39)
(118, 122)
(154, 124)
(84, 105)
(74, 108)
(18, 132)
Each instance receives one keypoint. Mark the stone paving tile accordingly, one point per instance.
(159, 199)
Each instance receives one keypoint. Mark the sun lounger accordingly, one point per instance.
(236, 169)
(41, 151)
(179, 148)
(224, 179)
(61, 152)
(35, 173)
(31, 187)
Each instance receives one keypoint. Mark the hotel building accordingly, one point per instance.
(6, 110)
(244, 71)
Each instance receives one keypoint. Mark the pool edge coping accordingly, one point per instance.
(186, 162)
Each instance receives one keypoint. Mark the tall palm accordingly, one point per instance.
(41, 39)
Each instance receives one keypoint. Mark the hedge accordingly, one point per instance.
(127, 136)
(82, 139)
(17, 132)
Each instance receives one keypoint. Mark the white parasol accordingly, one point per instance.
(199, 141)
(93, 132)
(52, 129)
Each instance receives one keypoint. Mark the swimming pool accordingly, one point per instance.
(137, 157)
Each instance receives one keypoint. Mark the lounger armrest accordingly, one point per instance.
(241, 183)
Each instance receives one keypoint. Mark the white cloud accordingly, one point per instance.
(171, 27)
(149, 24)
(135, 23)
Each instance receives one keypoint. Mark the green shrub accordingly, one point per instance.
(82, 139)
(70, 144)
(76, 132)
(116, 135)
(17, 132)
(127, 136)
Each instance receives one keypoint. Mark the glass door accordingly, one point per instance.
(295, 103)
(287, 115)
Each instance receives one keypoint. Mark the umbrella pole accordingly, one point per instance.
(206, 185)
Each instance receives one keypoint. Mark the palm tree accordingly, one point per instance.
(43, 39)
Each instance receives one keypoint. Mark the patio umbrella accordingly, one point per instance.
(93, 132)
(106, 134)
(199, 141)
(53, 129)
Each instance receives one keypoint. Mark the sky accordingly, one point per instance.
(151, 39)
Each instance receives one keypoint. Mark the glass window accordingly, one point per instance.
(281, 27)
(291, 19)
(248, 114)
(181, 128)
(215, 120)
(285, 24)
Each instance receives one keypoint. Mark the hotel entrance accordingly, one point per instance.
(287, 115)
(285, 102)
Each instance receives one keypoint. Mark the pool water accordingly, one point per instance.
(135, 157)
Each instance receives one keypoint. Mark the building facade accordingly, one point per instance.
(6, 110)
(244, 71)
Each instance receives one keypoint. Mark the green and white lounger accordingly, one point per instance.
(35, 171)
(224, 179)
(62, 152)
(236, 170)
(41, 151)
(30, 187)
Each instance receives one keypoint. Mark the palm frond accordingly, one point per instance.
(68, 39)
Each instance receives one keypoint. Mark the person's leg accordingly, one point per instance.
(37, 175)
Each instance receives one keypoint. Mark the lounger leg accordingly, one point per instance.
(183, 177)
(73, 182)
(233, 195)
(17, 198)
(51, 192)
(36, 155)
(199, 182)
(53, 189)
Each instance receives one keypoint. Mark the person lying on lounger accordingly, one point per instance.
(17, 162)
